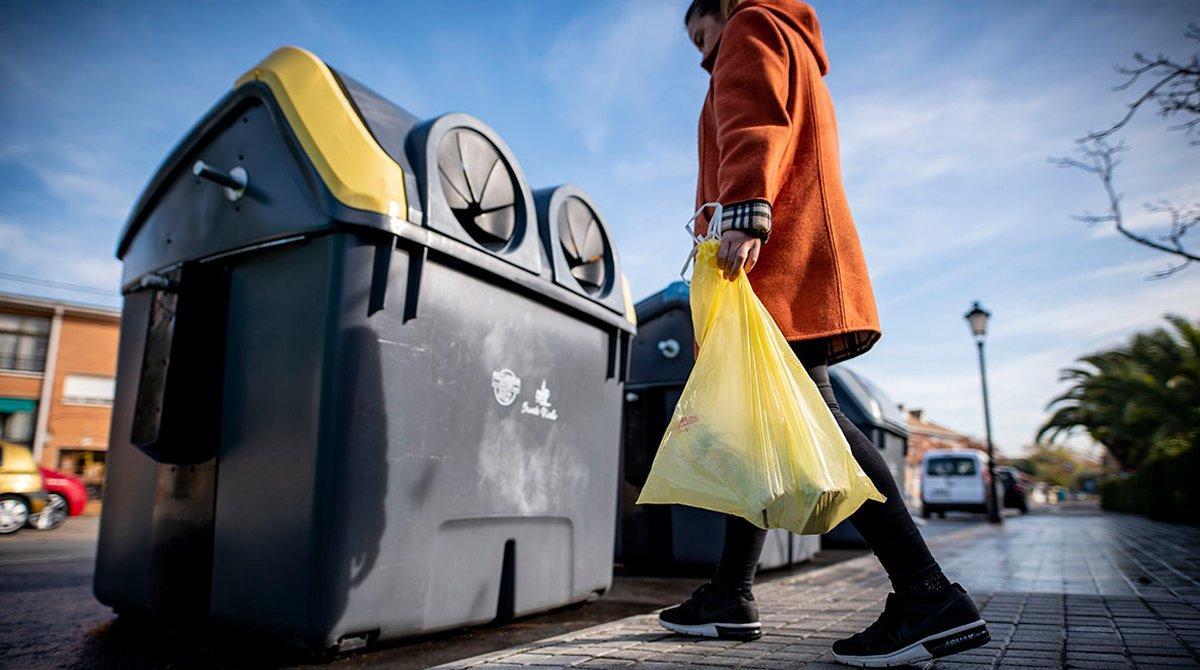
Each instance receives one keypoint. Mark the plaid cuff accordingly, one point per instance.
(752, 216)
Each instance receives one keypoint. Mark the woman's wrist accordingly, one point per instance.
(749, 216)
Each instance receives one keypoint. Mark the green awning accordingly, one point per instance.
(15, 405)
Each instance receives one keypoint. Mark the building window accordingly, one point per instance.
(17, 419)
(23, 341)
(88, 390)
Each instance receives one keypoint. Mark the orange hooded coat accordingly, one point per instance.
(769, 153)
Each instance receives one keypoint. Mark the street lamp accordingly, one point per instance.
(978, 320)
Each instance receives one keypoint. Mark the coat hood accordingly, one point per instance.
(797, 15)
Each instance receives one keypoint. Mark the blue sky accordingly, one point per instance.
(947, 110)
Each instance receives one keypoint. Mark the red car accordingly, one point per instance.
(67, 495)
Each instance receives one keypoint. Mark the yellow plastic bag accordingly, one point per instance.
(751, 435)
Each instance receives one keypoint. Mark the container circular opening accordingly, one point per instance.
(584, 245)
(480, 188)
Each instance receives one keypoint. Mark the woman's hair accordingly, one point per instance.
(698, 8)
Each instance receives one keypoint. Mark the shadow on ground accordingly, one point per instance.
(51, 620)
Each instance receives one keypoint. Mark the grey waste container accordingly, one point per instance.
(369, 385)
(663, 538)
(880, 419)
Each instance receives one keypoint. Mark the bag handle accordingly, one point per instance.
(713, 232)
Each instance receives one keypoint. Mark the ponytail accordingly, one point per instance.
(727, 7)
(722, 8)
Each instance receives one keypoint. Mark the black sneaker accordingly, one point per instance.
(714, 611)
(910, 631)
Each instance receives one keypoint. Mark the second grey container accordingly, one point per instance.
(880, 420)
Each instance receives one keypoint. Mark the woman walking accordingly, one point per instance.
(769, 155)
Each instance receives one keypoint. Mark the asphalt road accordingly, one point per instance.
(51, 620)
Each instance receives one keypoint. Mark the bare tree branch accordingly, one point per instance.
(1099, 158)
(1183, 219)
(1176, 90)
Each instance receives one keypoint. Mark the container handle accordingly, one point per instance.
(234, 182)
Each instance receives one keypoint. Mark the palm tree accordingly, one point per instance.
(1136, 400)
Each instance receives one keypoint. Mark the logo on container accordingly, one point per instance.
(541, 406)
(505, 386)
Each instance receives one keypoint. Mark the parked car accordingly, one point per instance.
(66, 496)
(21, 492)
(1014, 488)
(954, 480)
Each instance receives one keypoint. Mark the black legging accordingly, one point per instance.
(887, 527)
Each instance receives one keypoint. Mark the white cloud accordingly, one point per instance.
(905, 139)
(925, 168)
(654, 163)
(906, 240)
(91, 183)
(1129, 270)
(602, 63)
(89, 193)
(1027, 350)
(1019, 388)
(1096, 320)
(56, 256)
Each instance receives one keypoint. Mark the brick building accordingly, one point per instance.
(57, 365)
(925, 435)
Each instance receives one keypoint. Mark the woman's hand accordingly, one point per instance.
(739, 249)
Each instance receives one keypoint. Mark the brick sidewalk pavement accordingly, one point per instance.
(1075, 589)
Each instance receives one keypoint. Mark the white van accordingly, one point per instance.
(954, 480)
